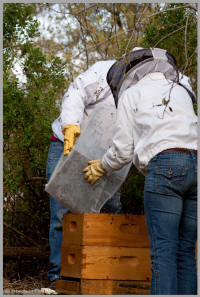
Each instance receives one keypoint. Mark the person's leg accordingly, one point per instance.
(165, 185)
(56, 215)
(163, 225)
(55, 238)
(187, 274)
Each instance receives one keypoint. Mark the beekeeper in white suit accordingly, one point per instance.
(80, 99)
(156, 129)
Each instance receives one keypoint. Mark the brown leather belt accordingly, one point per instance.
(182, 150)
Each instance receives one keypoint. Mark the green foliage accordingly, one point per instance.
(132, 192)
(29, 110)
(175, 30)
(18, 26)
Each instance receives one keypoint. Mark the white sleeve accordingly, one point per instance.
(82, 92)
(122, 149)
(73, 104)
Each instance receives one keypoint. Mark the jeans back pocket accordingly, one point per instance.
(169, 179)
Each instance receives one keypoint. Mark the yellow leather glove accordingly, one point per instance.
(70, 132)
(94, 171)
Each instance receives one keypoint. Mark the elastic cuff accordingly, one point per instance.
(106, 166)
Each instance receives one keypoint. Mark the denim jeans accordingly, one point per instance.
(170, 202)
(113, 205)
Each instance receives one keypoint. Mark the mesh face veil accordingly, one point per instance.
(132, 67)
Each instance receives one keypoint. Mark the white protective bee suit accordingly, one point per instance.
(146, 126)
(84, 93)
(156, 129)
(160, 137)
(87, 89)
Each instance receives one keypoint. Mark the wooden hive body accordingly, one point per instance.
(105, 229)
(100, 251)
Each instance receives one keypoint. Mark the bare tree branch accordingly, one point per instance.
(139, 21)
(183, 68)
(136, 30)
(20, 233)
(166, 36)
(185, 39)
(70, 13)
(115, 26)
(173, 8)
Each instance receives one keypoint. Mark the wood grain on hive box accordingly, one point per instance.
(105, 229)
(102, 287)
(106, 262)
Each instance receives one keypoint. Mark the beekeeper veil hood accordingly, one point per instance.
(139, 62)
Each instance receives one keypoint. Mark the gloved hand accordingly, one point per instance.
(94, 171)
(70, 132)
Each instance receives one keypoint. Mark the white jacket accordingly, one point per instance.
(145, 126)
(87, 90)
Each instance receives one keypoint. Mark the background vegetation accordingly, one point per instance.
(45, 47)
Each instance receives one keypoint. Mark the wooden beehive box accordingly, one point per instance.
(104, 248)
(101, 287)
(105, 229)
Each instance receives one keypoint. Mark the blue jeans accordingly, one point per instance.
(170, 202)
(57, 210)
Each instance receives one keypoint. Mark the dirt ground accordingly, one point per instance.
(29, 285)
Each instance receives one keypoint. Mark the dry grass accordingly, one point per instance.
(26, 286)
